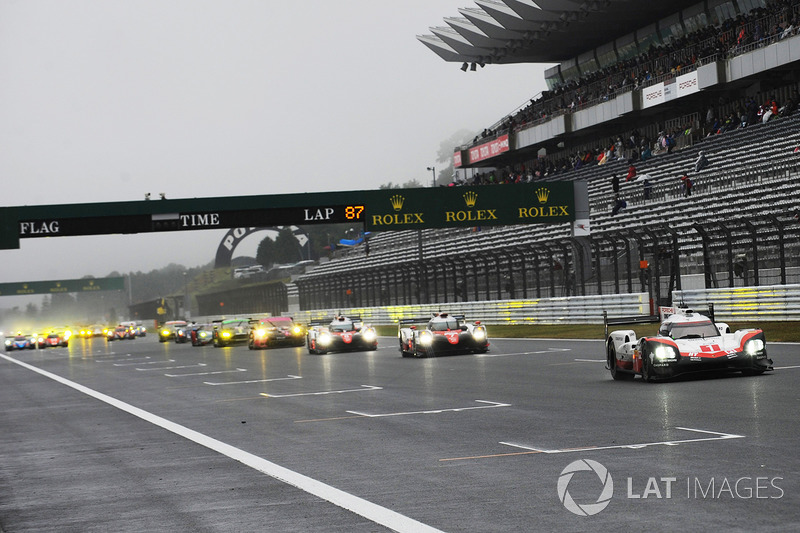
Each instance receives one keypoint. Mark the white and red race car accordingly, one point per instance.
(441, 334)
(686, 342)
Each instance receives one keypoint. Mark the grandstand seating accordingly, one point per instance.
(753, 171)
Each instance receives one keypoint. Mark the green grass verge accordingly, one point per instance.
(774, 331)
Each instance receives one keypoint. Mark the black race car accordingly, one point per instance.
(275, 331)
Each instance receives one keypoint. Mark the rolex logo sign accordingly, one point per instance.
(473, 215)
(397, 202)
(470, 197)
(397, 220)
(542, 194)
(544, 212)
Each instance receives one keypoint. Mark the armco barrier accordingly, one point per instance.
(572, 310)
(768, 303)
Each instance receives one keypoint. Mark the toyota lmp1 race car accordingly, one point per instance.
(686, 342)
(342, 334)
(275, 331)
(441, 334)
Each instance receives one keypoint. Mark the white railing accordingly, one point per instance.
(768, 303)
(572, 310)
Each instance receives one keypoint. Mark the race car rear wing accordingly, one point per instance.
(648, 319)
(411, 321)
(636, 319)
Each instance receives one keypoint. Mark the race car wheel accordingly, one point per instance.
(611, 359)
(250, 346)
(647, 370)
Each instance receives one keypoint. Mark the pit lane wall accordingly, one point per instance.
(764, 303)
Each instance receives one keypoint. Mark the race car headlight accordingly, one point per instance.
(425, 338)
(202, 334)
(297, 330)
(753, 346)
(369, 335)
(261, 332)
(164, 332)
(67, 334)
(9, 343)
(226, 334)
(324, 338)
(479, 334)
(663, 352)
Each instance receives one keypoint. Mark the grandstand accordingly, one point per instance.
(736, 228)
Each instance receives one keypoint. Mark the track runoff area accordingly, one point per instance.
(533, 435)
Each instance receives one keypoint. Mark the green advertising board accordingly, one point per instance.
(62, 286)
(486, 205)
(379, 210)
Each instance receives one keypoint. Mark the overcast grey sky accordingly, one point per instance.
(104, 100)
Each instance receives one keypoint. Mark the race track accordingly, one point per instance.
(135, 436)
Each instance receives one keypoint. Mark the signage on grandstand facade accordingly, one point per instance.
(62, 286)
(489, 149)
(486, 205)
(678, 87)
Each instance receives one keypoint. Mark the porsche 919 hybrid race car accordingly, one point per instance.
(276, 331)
(342, 334)
(686, 342)
(441, 334)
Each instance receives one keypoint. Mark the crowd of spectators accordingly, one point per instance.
(762, 25)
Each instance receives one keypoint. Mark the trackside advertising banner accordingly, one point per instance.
(61, 286)
(487, 205)
(489, 149)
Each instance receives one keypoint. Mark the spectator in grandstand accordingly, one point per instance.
(619, 204)
(646, 152)
(686, 185)
(615, 183)
(701, 163)
(647, 187)
(791, 105)
(631, 173)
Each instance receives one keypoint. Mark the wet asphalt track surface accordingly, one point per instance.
(458, 443)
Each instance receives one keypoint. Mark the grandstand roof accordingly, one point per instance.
(541, 31)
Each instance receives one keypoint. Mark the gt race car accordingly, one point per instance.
(342, 334)
(686, 342)
(202, 334)
(231, 331)
(167, 331)
(275, 331)
(441, 334)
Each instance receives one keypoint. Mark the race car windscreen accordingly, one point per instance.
(343, 326)
(443, 325)
(693, 330)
